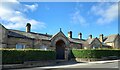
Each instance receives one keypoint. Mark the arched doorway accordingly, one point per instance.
(60, 49)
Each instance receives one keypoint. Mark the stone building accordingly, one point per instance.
(59, 42)
(26, 39)
(112, 41)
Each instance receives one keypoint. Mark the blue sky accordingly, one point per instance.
(48, 17)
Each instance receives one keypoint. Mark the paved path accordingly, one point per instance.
(97, 64)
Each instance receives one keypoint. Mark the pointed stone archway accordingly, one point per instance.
(60, 50)
(61, 45)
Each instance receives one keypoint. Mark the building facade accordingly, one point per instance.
(59, 42)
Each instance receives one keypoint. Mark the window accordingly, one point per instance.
(85, 47)
(95, 46)
(43, 47)
(20, 46)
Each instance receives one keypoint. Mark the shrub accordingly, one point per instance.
(96, 53)
(35, 55)
(19, 56)
(12, 56)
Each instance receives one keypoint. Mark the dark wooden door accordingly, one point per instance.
(60, 50)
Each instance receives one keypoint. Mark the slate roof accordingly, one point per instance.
(76, 40)
(31, 35)
(110, 38)
(90, 40)
(57, 34)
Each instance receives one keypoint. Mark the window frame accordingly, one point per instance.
(43, 47)
(20, 46)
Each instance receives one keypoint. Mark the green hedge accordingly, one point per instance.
(19, 56)
(12, 56)
(80, 53)
(39, 55)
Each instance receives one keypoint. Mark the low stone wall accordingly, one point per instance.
(86, 59)
(29, 64)
(95, 59)
(39, 63)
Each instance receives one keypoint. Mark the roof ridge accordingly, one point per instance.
(111, 38)
(112, 34)
(32, 32)
(78, 39)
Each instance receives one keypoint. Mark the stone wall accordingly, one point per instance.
(110, 44)
(96, 44)
(29, 43)
(12, 41)
(39, 44)
(3, 36)
(75, 46)
(117, 42)
(30, 64)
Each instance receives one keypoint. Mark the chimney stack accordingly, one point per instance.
(80, 35)
(70, 34)
(101, 37)
(90, 36)
(28, 27)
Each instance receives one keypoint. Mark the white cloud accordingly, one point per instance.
(107, 12)
(37, 24)
(77, 18)
(32, 7)
(9, 1)
(13, 16)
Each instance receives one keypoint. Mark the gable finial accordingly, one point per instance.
(60, 29)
